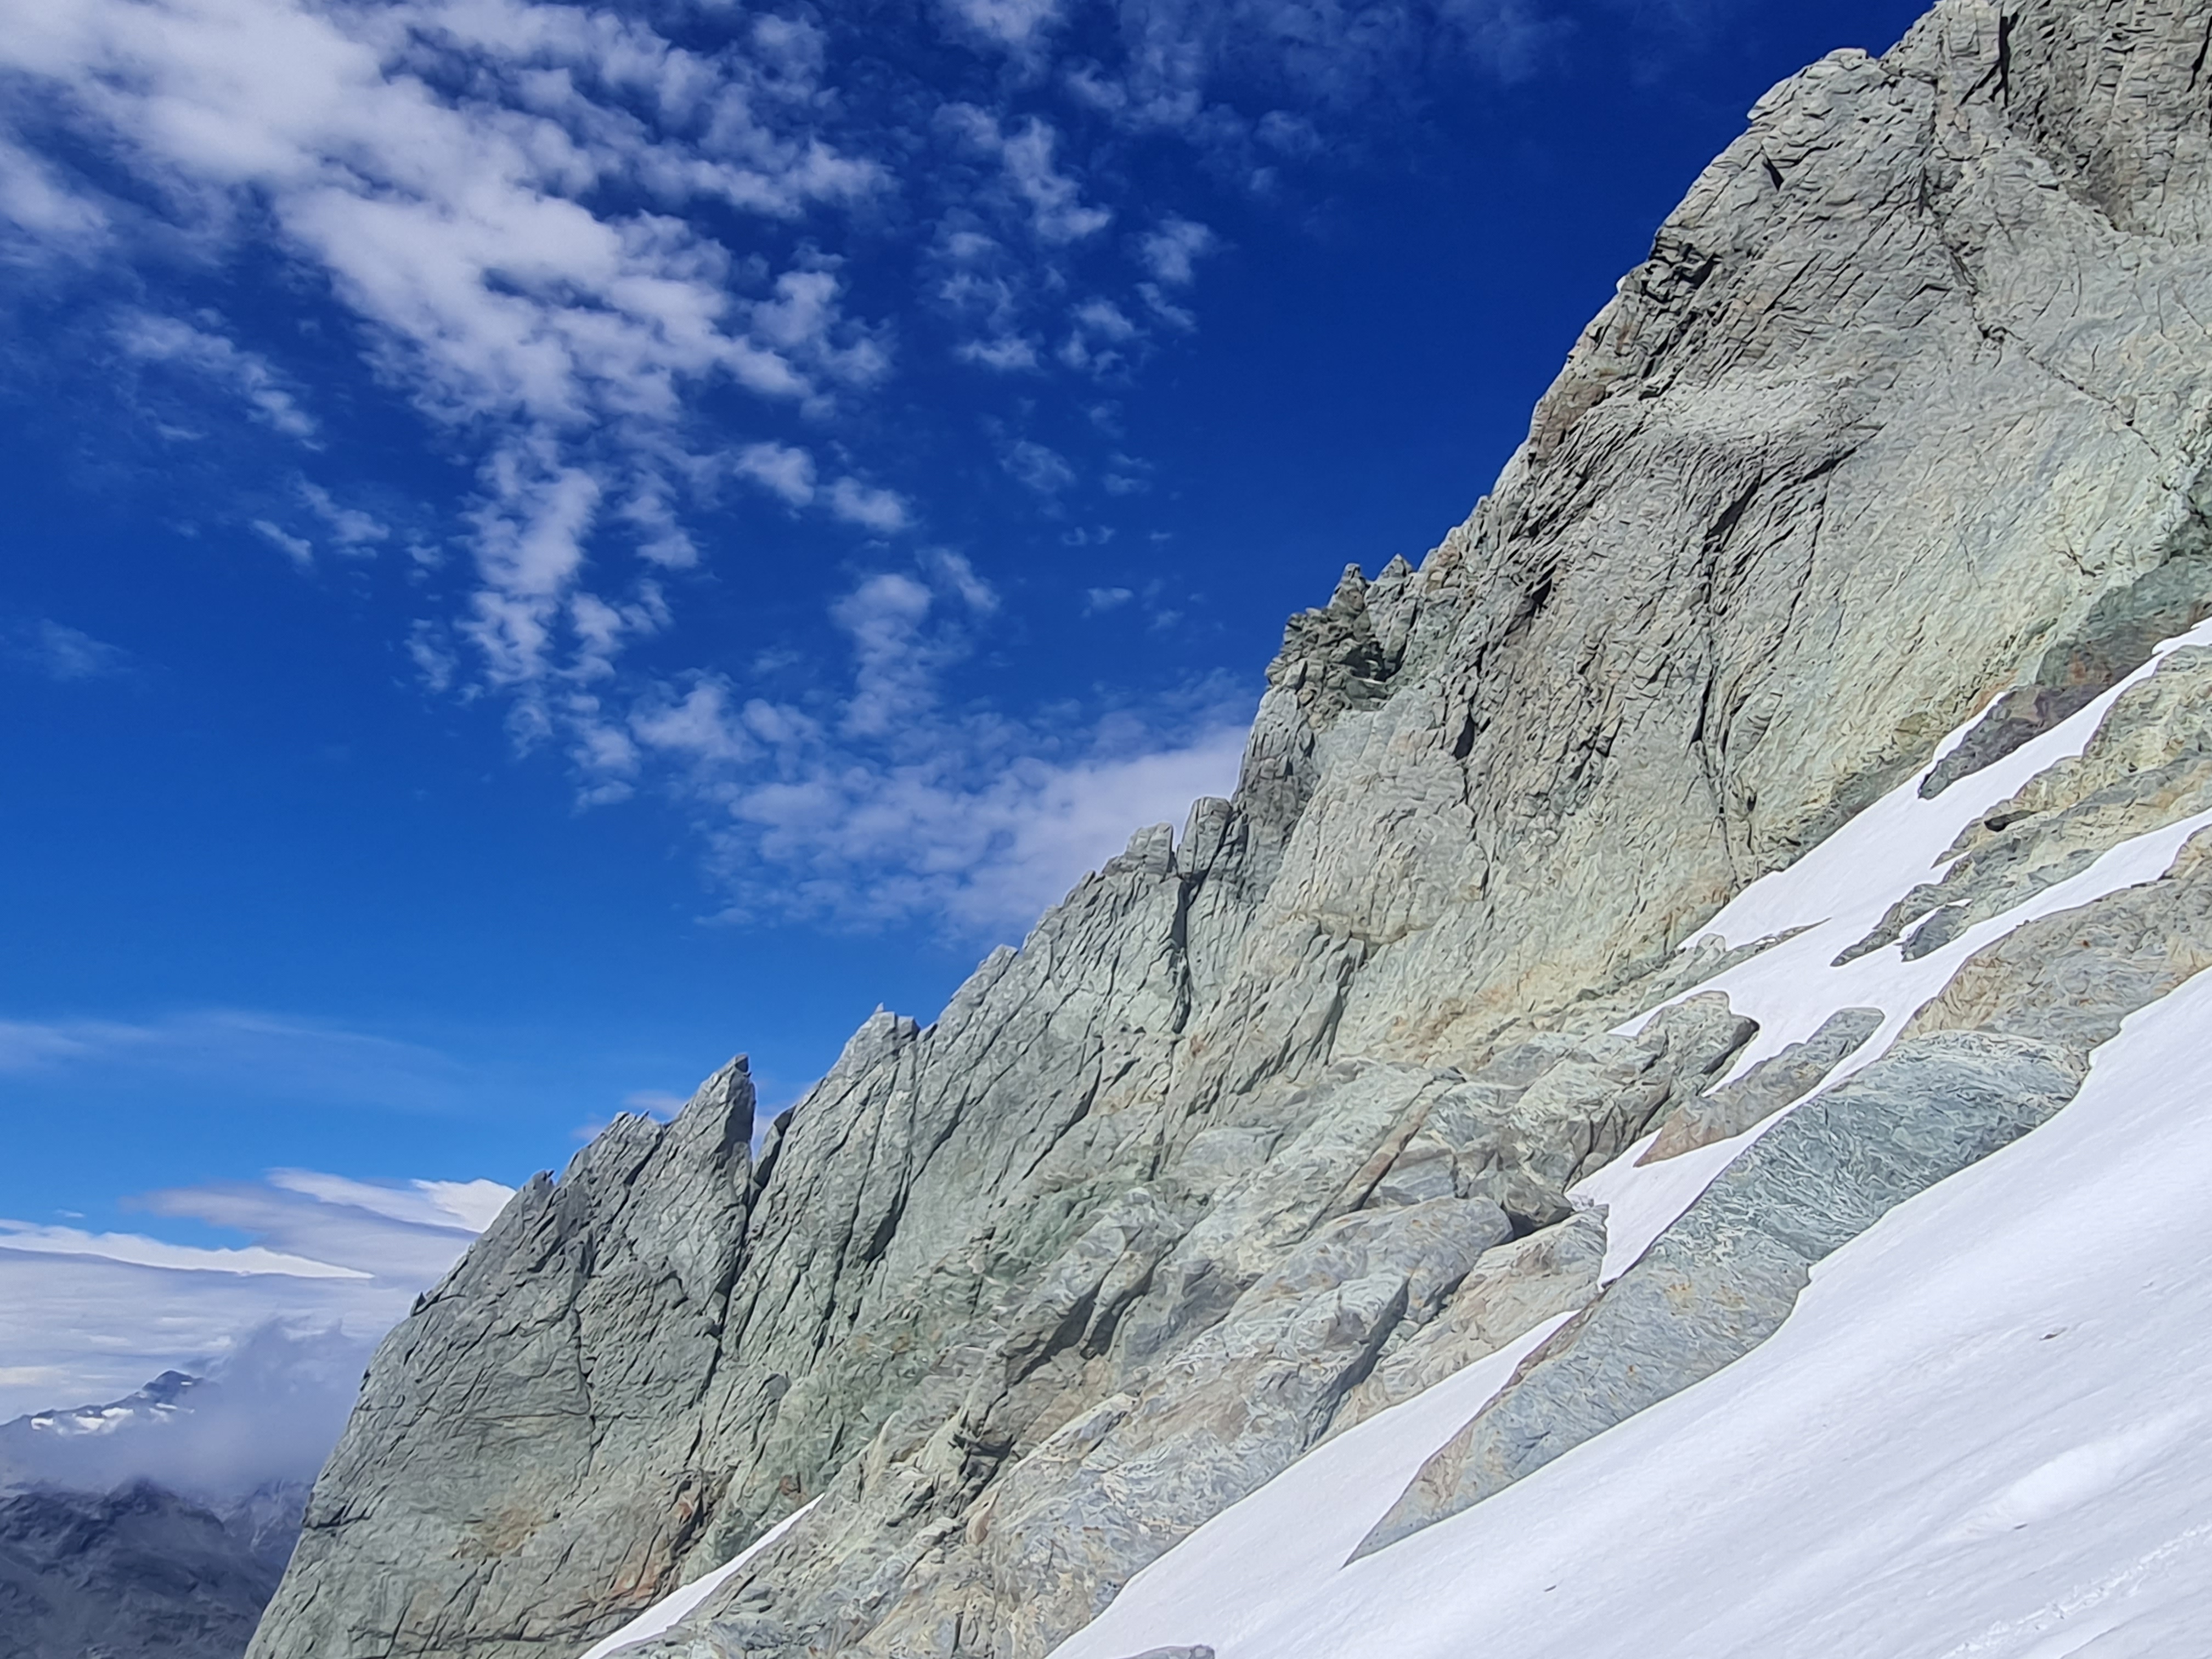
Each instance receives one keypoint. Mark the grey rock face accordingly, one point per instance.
(1513, 1288)
(1070, 1524)
(1721, 1279)
(2115, 639)
(516, 1424)
(1777, 1081)
(1909, 388)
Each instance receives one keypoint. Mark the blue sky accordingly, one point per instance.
(548, 545)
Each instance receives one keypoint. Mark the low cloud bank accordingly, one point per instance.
(278, 1331)
(270, 1412)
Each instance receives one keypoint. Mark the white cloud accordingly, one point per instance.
(700, 727)
(88, 1316)
(608, 258)
(1052, 200)
(52, 214)
(61, 654)
(954, 571)
(1100, 330)
(1099, 599)
(351, 527)
(1171, 253)
(468, 1204)
(1105, 319)
(901, 808)
(787, 472)
(783, 469)
(1035, 466)
(942, 837)
(139, 1251)
(883, 510)
(439, 163)
(297, 548)
(302, 1060)
(155, 340)
(1007, 354)
(1012, 23)
(893, 664)
(272, 1402)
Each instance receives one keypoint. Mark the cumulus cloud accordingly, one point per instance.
(1171, 253)
(883, 511)
(1007, 354)
(1037, 466)
(1011, 23)
(783, 469)
(1031, 177)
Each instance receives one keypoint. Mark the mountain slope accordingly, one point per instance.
(1265, 1127)
(136, 1573)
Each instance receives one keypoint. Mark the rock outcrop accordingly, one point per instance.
(1720, 1281)
(1266, 1126)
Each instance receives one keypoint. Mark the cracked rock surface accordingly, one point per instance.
(1902, 420)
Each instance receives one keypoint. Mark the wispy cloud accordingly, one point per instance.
(616, 266)
(350, 526)
(88, 1316)
(897, 807)
(55, 651)
(298, 549)
(199, 350)
(268, 1054)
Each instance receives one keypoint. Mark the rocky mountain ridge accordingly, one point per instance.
(1271, 1126)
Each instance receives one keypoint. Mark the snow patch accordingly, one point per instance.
(1225, 1582)
(663, 1615)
